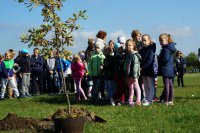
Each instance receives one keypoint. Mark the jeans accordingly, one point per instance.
(110, 87)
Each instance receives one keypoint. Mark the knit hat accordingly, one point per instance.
(116, 46)
(121, 39)
(24, 51)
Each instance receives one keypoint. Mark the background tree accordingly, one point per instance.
(53, 33)
(192, 61)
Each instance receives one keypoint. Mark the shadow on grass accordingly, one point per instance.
(61, 99)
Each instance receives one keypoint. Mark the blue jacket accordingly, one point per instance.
(147, 54)
(65, 64)
(36, 64)
(166, 60)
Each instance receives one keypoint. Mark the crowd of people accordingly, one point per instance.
(123, 72)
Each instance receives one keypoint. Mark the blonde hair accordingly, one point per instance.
(167, 36)
(12, 52)
(133, 43)
(76, 58)
(90, 41)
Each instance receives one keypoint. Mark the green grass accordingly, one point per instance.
(184, 116)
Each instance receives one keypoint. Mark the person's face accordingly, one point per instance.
(8, 57)
(163, 41)
(111, 44)
(179, 54)
(97, 49)
(129, 47)
(36, 52)
(146, 41)
(139, 37)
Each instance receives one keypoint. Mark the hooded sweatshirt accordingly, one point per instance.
(166, 60)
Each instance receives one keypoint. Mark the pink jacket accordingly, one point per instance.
(77, 70)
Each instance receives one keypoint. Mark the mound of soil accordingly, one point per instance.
(76, 112)
(15, 123)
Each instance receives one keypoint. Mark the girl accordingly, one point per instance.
(77, 68)
(166, 62)
(132, 71)
(109, 71)
(8, 75)
(180, 67)
(137, 37)
(147, 53)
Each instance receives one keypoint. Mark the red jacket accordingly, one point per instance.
(77, 70)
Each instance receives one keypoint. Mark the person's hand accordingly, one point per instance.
(9, 78)
(51, 72)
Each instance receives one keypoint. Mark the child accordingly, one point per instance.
(137, 37)
(77, 68)
(88, 53)
(109, 71)
(8, 75)
(147, 69)
(132, 71)
(119, 96)
(95, 66)
(25, 72)
(166, 62)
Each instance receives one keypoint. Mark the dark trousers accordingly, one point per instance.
(121, 89)
(97, 83)
(180, 79)
(37, 83)
(51, 83)
(168, 92)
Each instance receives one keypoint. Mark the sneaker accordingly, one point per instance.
(112, 102)
(166, 103)
(144, 100)
(89, 95)
(119, 104)
(146, 104)
(171, 103)
(155, 99)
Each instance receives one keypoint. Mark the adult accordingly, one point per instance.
(180, 67)
(100, 40)
(36, 72)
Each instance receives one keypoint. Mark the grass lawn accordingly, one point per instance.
(184, 116)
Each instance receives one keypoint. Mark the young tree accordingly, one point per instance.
(53, 33)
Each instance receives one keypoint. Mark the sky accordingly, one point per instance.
(180, 18)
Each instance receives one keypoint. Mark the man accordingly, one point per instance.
(36, 72)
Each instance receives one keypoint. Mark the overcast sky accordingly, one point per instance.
(180, 18)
